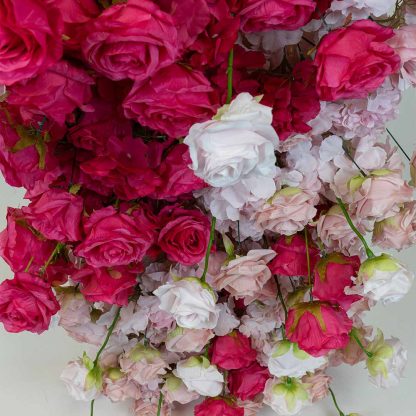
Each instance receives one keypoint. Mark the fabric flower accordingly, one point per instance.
(199, 375)
(174, 390)
(27, 303)
(361, 69)
(188, 340)
(192, 303)
(218, 407)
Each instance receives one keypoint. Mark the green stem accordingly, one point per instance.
(341, 413)
(55, 251)
(92, 408)
(369, 252)
(279, 293)
(29, 264)
(398, 144)
(360, 344)
(207, 254)
(230, 76)
(159, 405)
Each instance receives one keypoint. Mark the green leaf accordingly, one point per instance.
(74, 189)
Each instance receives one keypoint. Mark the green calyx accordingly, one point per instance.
(173, 383)
(322, 265)
(204, 285)
(115, 374)
(314, 308)
(384, 263)
(292, 390)
(283, 347)
(199, 361)
(381, 353)
(355, 183)
(141, 352)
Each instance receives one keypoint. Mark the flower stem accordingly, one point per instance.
(55, 251)
(207, 254)
(92, 407)
(159, 406)
(368, 251)
(360, 344)
(341, 413)
(230, 76)
(279, 293)
(29, 264)
(398, 144)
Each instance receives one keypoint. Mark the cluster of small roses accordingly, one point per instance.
(142, 130)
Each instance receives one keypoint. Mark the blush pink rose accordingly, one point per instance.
(27, 303)
(264, 15)
(218, 406)
(246, 275)
(55, 93)
(30, 38)
(56, 214)
(113, 286)
(118, 387)
(172, 100)
(18, 244)
(346, 72)
(318, 327)
(131, 40)
(188, 340)
(184, 235)
(318, 385)
(114, 239)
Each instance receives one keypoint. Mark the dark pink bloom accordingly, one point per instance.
(218, 406)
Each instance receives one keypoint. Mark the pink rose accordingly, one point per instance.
(184, 235)
(218, 406)
(30, 38)
(55, 93)
(150, 408)
(246, 275)
(346, 72)
(18, 244)
(188, 340)
(176, 176)
(318, 327)
(404, 43)
(131, 40)
(264, 15)
(118, 387)
(56, 214)
(113, 239)
(113, 286)
(399, 231)
(172, 100)
(27, 303)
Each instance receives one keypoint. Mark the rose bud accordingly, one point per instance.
(218, 406)
(332, 275)
(318, 327)
(232, 351)
(247, 382)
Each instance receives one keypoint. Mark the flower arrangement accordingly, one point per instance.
(202, 176)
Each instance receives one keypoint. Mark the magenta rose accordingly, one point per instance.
(113, 286)
(20, 245)
(352, 72)
(172, 100)
(263, 15)
(113, 239)
(30, 38)
(185, 234)
(131, 40)
(27, 303)
(56, 214)
(55, 93)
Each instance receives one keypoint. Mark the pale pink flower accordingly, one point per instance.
(188, 340)
(318, 385)
(174, 390)
(117, 387)
(150, 407)
(251, 408)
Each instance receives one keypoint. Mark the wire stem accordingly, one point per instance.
(334, 399)
(398, 144)
(279, 293)
(207, 254)
(360, 344)
(92, 408)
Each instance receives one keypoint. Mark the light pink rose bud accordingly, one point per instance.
(397, 232)
(188, 340)
(318, 385)
(379, 195)
(288, 212)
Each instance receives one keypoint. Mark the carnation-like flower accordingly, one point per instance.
(191, 302)
(387, 361)
(288, 360)
(199, 375)
(384, 279)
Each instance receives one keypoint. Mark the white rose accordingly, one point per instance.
(384, 279)
(199, 375)
(286, 397)
(191, 302)
(238, 144)
(75, 378)
(287, 360)
(387, 362)
(227, 321)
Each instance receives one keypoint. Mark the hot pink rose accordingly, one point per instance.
(248, 382)
(263, 15)
(346, 72)
(114, 239)
(113, 286)
(30, 38)
(18, 244)
(291, 259)
(318, 327)
(218, 406)
(27, 303)
(232, 351)
(55, 93)
(172, 100)
(332, 275)
(131, 40)
(176, 176)
(56, 214)
(185, 234)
